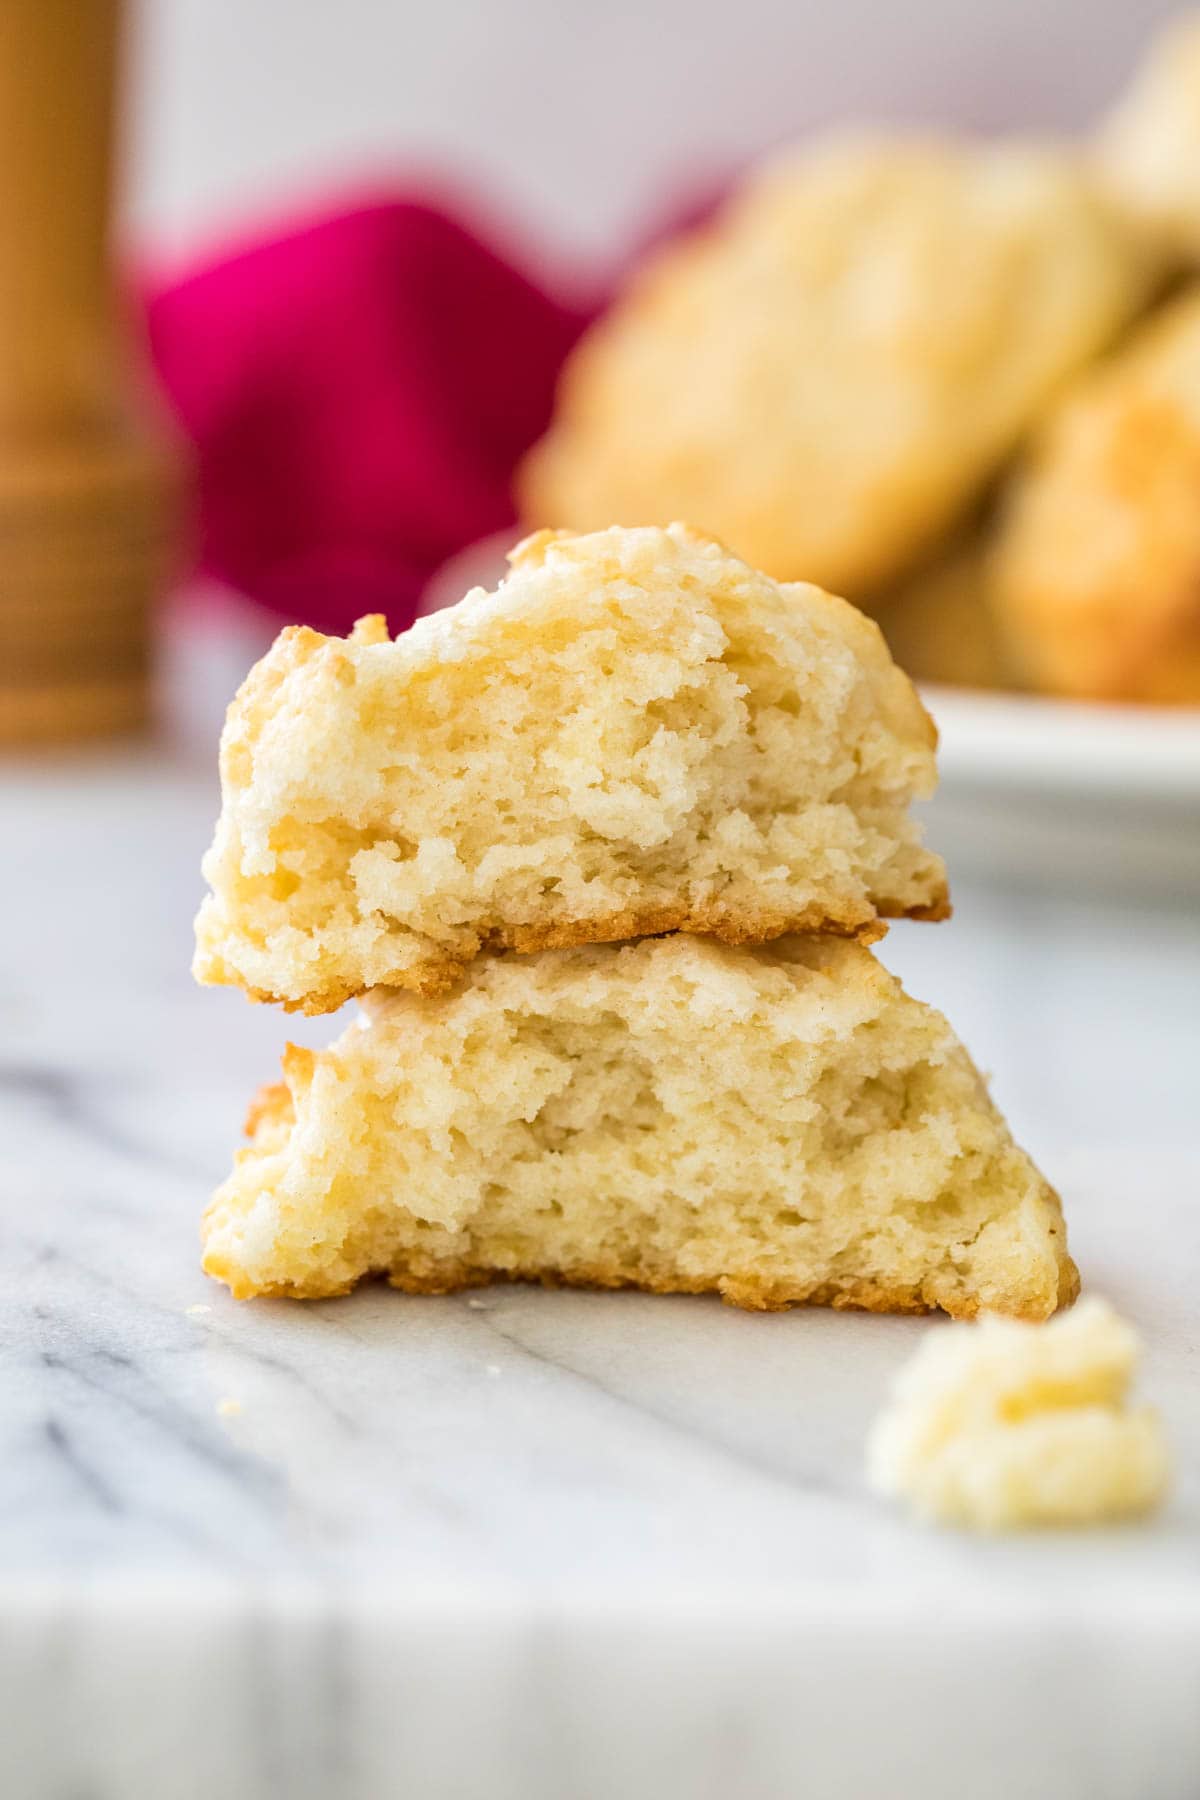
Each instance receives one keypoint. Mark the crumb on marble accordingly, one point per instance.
(1005, 1424)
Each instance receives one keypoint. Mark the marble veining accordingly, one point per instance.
(535, 1544)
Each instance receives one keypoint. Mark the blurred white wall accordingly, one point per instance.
(578, 116)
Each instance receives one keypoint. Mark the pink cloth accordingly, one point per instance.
(358, 393)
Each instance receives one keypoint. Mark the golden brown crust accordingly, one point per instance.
(439, 976)
(933, 914)
(271, 1105)
(853, 1294)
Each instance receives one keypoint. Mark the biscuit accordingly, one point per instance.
(1148, 148)
(827, 375)
(1096, 572)
(635, 734)
(1007, 1425)
(939, 622)
(778, 1124)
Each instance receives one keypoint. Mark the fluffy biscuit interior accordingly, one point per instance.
(1095, 570)
(778, 1124)
(636, 733)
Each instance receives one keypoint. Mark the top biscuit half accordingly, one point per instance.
(636, 733)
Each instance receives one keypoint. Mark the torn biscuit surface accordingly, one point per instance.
(779, 1124)
(636, 733)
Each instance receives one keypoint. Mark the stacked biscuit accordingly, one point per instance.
(958, 381)
(601, 854)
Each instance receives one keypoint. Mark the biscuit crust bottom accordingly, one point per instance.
(745, 1291)
(441, 973)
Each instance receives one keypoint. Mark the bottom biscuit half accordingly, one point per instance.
(777, 1124)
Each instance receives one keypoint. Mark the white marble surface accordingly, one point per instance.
(528, 1545)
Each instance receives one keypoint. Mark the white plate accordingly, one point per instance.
(1071, 747)
(1063, 794)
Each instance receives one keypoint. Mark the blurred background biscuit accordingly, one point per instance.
(1097, 564)
(827, 374)
(940, 623)
(1149, 145)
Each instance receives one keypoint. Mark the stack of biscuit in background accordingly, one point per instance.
(957, 381)
(602, 853)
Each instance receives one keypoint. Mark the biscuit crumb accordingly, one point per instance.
(1003, 1425)
(196, 1312)
(229, 1408)
(829, 372)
